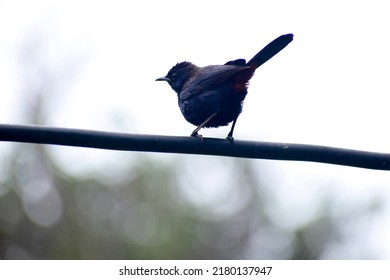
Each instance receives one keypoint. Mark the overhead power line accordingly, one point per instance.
(193, 145)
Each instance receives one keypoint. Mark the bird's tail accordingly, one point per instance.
(270, 50)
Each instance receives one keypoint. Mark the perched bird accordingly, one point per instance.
(213, 96)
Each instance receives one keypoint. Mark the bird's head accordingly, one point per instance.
(178, 75)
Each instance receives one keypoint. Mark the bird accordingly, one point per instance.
(212, 96)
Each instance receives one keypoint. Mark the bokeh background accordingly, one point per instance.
(92, 65)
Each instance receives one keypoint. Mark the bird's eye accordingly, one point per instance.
(173, 76)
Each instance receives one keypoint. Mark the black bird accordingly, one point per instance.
(213, 96)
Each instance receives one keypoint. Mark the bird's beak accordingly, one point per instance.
(163, 79)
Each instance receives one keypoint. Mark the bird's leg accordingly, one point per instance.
(195, 132)
(230, 135)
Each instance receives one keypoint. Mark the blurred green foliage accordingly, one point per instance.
(143, 206)
(155, 210)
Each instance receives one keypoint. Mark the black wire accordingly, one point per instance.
(193, 145)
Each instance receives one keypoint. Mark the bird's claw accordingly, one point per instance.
(230, 138)
(195, 134)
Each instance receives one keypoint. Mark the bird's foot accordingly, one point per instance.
(230, 138)
(195, 134)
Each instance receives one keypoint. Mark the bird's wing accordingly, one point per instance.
(209, 77)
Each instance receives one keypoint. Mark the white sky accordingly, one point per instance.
(330, 86)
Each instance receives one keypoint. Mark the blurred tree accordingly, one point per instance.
(149, 208)
(46, 213)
